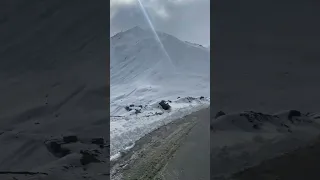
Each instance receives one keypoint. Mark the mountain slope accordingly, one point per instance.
(146, 69)
(139, 60)
(53, 84)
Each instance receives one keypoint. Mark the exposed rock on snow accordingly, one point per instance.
(57, 150)
(293, 113)
(128, 108)
(249, 121)
(137, 111)
(164, 105)
(220, 113)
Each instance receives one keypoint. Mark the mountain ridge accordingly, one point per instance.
(137, 44)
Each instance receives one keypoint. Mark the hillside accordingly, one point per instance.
(53, 88)
(146, 69)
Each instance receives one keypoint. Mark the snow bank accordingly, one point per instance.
(126, 129)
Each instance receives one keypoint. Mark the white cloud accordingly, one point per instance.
(115, 4)
(155, 7)
(186, 19)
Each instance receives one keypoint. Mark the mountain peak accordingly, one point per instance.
(136, 28)
(135, 31)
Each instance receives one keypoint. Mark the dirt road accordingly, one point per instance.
(179, 150)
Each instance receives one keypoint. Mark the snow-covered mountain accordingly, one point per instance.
(136, 51)
(171, 66)
(148, 67)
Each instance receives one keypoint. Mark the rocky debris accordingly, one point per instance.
(88, 157)
(128, 108)
(164, 105)
(251, 121)
(137, 111)
(201, 98)
(178, 98)
(56, 149)
(70, 139)
(256, 116)
(220, 113)
(293, 113)
(169, 101)
(190, 99)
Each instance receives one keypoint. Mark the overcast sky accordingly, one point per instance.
(188, 20)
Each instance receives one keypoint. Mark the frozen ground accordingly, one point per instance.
(144, 72)
(245, 139)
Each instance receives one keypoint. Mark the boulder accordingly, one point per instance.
(164, 105)
(220, 113)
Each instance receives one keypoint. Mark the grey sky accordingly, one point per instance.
(188, 20)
